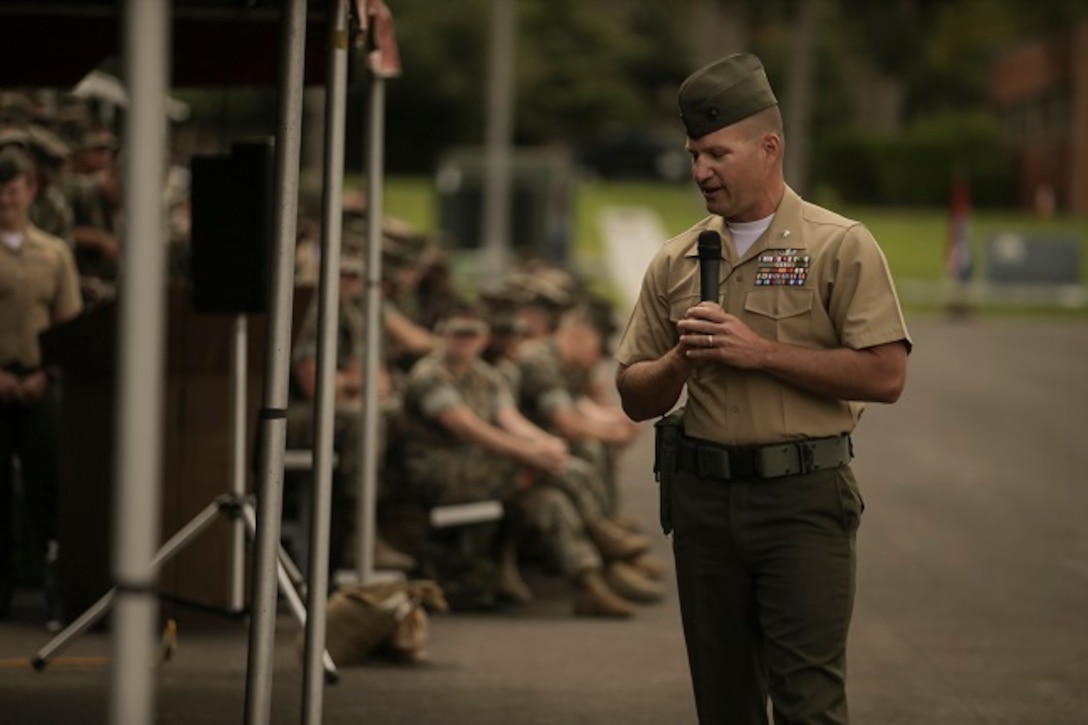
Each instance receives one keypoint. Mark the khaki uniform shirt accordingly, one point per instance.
(814, 279)
(38, 286)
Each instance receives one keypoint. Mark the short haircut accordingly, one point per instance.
(769, 120)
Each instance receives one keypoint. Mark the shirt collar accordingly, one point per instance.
(784, 232)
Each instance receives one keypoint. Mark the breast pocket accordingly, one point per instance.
(9, 281)
(780, 313)
(41, 280)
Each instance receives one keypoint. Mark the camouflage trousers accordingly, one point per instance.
(462, 559)
(602, 458)
(552, 511)
(580, 482)
(442, 476)
(548, 518)
(347, 444)
(346, 437)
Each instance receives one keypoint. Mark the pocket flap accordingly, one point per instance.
(779, 303)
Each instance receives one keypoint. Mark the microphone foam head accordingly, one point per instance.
(710, 244)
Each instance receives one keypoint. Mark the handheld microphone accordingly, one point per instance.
(710, 259)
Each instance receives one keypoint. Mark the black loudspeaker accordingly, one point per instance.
(231, 232)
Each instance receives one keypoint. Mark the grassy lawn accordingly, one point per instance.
(913, 239)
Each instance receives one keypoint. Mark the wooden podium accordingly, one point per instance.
(196, 447)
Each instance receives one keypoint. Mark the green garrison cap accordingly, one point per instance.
(724, 92)
(14, 162)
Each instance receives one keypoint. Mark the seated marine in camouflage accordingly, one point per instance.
(465, 441)
(347, 420)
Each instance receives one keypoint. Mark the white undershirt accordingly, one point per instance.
(745, 234)
(13, 240)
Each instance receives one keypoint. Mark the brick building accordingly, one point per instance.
(1041, 89)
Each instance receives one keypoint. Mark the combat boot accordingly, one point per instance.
(613, 542)
(649, 566)
(627, 522)
(510, 585)
(629, 583)
(593, 598)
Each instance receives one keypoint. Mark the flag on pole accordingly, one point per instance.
(958, 261)
(376, 36)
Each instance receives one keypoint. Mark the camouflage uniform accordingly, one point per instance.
(546, 386)
(509, 371)
(350, 344)
(52, 213)
(90, 209)
(347, 422)
(16, 109)
(501, 312)
(178, 222)
(548, 518)
(442, 469)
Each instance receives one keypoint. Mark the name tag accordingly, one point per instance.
(787, 267)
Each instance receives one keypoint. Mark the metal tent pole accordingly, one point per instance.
(495, 248)
(238, 378)
(141, 365)
(325, 404)
(366, 518)
(273, 413)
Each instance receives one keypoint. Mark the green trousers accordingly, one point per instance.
(30, 432)
(766, 576)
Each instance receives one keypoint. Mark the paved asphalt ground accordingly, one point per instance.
(973, 584)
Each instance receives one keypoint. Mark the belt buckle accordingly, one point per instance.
(783, 459)
(806, 458)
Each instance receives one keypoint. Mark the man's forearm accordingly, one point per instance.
(466, 425)
(651, 388)
(874, 374)
(514, 423)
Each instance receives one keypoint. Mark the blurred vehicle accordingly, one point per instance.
(633, 154)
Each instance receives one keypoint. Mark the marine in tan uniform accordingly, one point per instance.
(50, 210)
(806, 326)
(38, 288)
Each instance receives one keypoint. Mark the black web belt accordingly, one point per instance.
(710, 460)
